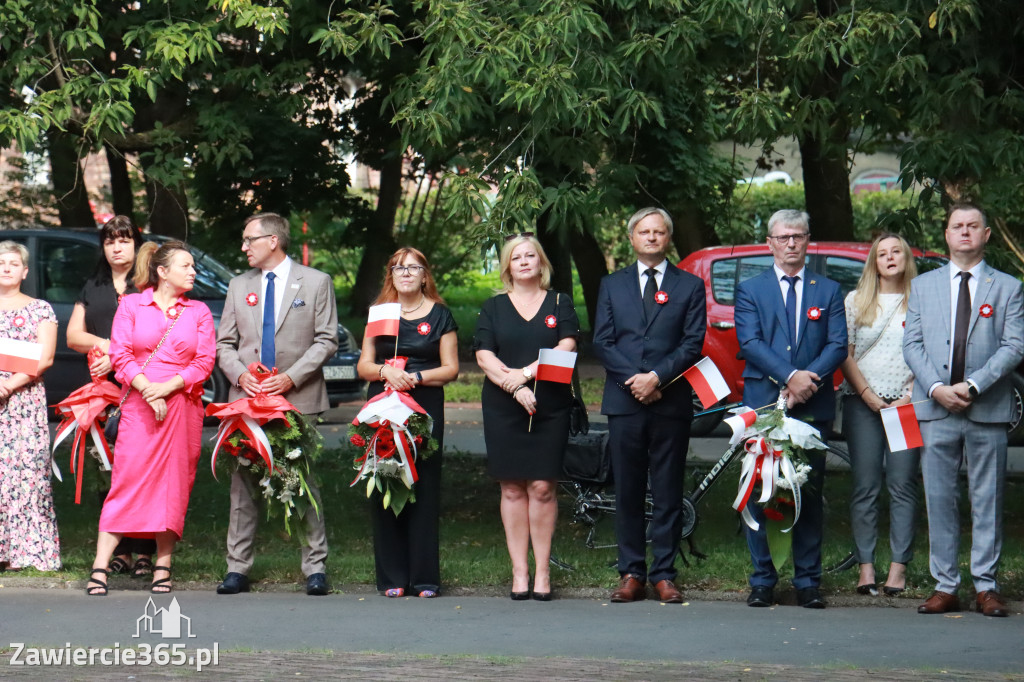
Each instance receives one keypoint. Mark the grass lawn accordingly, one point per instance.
(472, 542)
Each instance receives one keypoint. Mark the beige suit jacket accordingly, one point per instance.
(306, 334)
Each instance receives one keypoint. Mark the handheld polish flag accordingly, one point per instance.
(384, 319)
(20, 356)
(901, 428)
(556, 365)
(742, 419)
(707, 381)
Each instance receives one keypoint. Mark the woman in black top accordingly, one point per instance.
(405, 547)
(89, 327)
(526, 422)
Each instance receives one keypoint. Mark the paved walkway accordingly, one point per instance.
(359, 635)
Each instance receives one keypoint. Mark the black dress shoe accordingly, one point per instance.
(810, 598)
(233, 584)
(761, 596)
(316, 584)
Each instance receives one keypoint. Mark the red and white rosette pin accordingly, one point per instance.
(19, 321)
(550, 321)
(814, 313)
(251, 299)
(985, 310)
(661, 298)
(423, 328)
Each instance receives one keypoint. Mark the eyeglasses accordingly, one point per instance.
(783, 239)
(407, 269)
(520, 235)
(247, 241)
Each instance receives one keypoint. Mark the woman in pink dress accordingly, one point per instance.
(160, 435)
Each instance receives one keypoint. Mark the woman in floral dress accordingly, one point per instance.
(28, 527)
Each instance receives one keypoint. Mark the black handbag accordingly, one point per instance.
(579, 420)
(587, 459)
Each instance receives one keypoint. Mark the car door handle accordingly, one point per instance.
(723, 325)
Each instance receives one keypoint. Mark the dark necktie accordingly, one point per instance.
(791, 308)
(650, 289)
(963, 321)
(268, 353)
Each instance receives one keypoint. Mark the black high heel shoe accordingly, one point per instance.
(868, 590)
(892, 591)
(519, 596)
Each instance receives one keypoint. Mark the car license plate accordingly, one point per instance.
(339, 372)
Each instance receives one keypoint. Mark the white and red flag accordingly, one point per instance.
(742, 419)
(707, 381)
(20, 356)
(556, 365)
(384, 319)
(901, 428)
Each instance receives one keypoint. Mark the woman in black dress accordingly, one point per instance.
(526, 423)
(405, 547)
(89, 327)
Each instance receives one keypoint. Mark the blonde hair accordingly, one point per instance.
(865, 298)
(11, 246)
(152, 256)
(505, 261)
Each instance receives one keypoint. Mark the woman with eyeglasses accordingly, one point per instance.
(877, 377)
(405, 547)
(526, 423)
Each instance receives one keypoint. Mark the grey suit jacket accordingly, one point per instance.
(995, 344)
(306, 334)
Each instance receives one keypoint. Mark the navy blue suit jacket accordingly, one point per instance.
(764, 341)
(628, 343)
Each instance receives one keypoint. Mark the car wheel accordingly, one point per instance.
(215, 390)
(1016, 426)
(703, 424)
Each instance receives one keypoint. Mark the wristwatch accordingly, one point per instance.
(527, 373)
(972, 389)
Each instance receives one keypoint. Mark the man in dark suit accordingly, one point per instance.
(283, 314)
(791, 327)
(649, 327)
(965, 335)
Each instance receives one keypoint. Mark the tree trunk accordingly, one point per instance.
(380, 237)
(590, 266)
(691, 230)
(168, 207)
(120, 183)
(827, 191)
(69, 189)
(557, 253)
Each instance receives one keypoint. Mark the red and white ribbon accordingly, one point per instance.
(83, 412)
(764, 462)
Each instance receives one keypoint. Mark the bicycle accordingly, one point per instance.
(592, 502)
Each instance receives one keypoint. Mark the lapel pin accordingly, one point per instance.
(813, 282)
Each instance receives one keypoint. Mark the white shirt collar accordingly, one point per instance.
(779, 273)
(282, 270)
(954, 271)
(660, 267)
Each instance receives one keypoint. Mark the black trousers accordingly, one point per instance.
(645, 445)
(406, 547)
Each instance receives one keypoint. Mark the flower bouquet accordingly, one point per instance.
(254, 430)
(776, 447)
(393, 432)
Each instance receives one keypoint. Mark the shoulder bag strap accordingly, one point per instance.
(146, 363)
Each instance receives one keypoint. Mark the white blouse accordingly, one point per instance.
(883, 365)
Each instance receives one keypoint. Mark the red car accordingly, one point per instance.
(723, 267)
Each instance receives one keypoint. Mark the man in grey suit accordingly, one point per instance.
(282, 314)
(964, 335)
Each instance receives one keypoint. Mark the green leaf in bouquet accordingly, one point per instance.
(387, 497)
(370, 486)
(780, 544)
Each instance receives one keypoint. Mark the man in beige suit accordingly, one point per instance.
(292, 326)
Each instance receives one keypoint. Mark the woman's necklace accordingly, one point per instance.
(527, 304)
(412, 310)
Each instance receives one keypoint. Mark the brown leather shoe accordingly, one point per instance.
(668, 592)
(991, 604)
(631, 588)
(940, 602)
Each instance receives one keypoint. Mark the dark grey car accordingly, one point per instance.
(60, 260)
